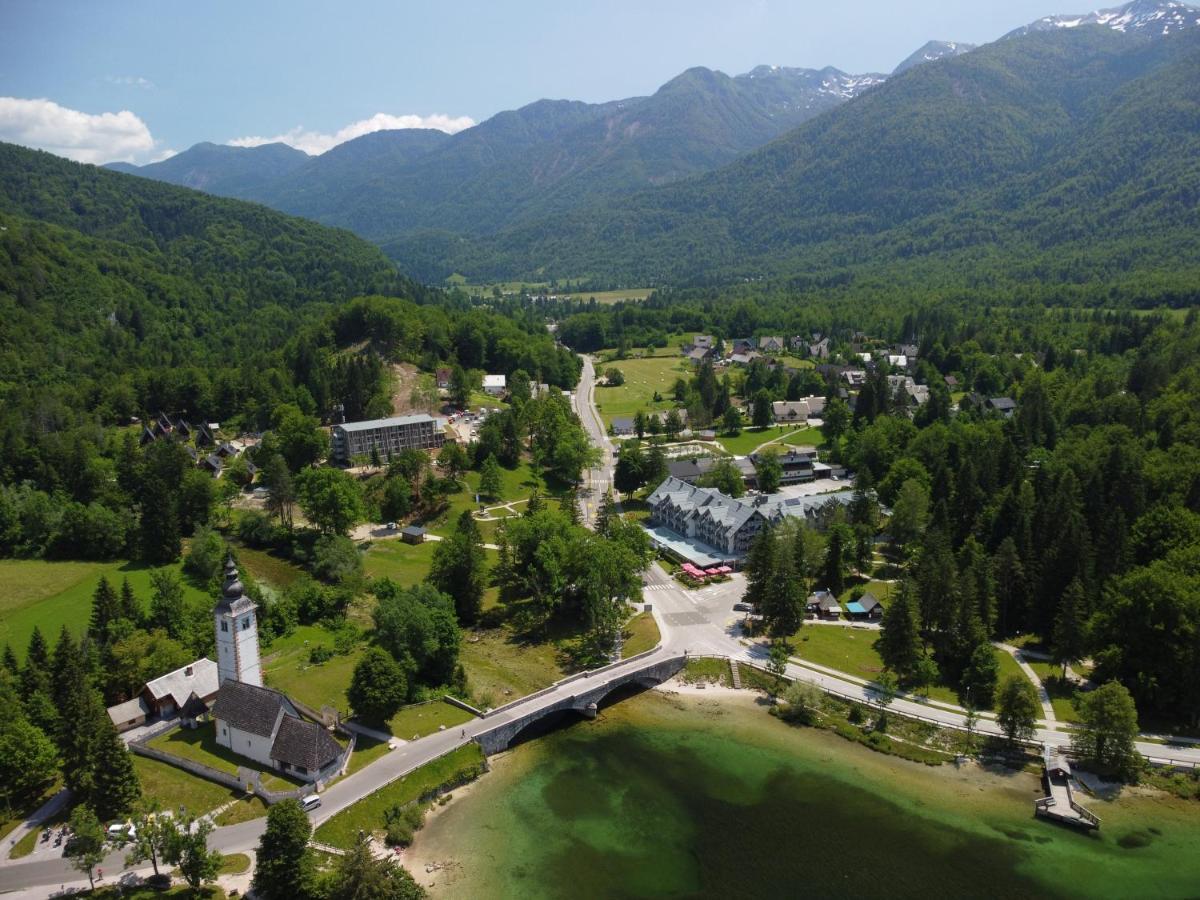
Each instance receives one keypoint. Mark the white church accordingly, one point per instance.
(254, 721)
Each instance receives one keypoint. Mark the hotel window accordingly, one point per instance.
(225, 626)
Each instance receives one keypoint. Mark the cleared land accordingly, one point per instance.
(53, 594)
(315, 684)
(500, 665)
(643, 377)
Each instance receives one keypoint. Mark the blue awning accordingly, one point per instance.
(855, 608)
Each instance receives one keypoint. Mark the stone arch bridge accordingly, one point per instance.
(582, 693)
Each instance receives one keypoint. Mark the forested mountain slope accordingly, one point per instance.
(1065, 153)
(542, 159)
(221, 169)
(100, 272)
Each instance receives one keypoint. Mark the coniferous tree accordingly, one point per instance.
(115, 786)
(833, 572)
(131, 610)
(782, 605)
(899, 643)
(490, 484)
(10, 664)
(1069, 637)
(106, 610)
(761, 565)
(569, 504)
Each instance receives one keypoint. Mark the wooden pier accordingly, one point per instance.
(1059, 804)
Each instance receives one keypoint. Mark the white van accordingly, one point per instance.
(311, 802)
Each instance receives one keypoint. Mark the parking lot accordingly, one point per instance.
(820, 486)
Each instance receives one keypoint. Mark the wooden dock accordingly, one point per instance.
(1059, 804)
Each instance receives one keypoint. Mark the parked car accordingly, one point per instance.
(311, 802)
(743, 607)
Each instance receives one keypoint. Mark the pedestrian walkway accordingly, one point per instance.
(40, 816)
(1043, 695)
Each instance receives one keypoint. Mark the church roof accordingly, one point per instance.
(301, 743)
(248, 707)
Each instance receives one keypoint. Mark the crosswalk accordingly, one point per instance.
(656, 587)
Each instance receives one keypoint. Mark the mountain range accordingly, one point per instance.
(779, 169)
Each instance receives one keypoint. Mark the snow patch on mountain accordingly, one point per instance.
(1148, 16)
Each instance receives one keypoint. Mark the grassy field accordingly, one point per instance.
(321, 684)
(708, 670)
(421, 719)
(1062, 693)
(246, 808)
(367, 814)
(501, 667)
(269, 569)
(852, 650)
(748, 440)
(516, 484)
(366, 751)
(605, 297)
(405, 564)
(235, 864)
(53, 594)
(173, 787)
(642, 378)
(641, 634)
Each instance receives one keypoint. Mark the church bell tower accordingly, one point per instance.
(237, 632)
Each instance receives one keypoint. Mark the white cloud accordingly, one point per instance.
(84, 137)
(316, 142)
(130, 81)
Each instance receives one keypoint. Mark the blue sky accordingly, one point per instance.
(138, 80)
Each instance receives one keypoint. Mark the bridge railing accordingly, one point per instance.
(578, 676)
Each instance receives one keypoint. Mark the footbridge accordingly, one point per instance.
(581, 693)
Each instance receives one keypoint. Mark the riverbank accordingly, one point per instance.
(700, 792)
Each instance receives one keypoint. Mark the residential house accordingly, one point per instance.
(915, 394)
(771, 344)
(263, 725)
(213, 463)
(897, 361)
(167, 695)
(495, 385)
(797, 411)
(691, 471)
(698, 355)
(865, 607)
(623, 425)
(130, 714)
(951, 382)
(413, 534)
(854, 377)
(799, 464)
(744, 359)
(819, 349)
(1006, 406)
(741, 345)
(824, 604)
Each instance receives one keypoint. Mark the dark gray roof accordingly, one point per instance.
(248, 707)
(1003, 403)
(868, 601)
(301, 743)
(412, 530)
(194, 708)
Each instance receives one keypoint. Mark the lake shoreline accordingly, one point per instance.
(511, 832)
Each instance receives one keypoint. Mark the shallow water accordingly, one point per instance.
(683, 797)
